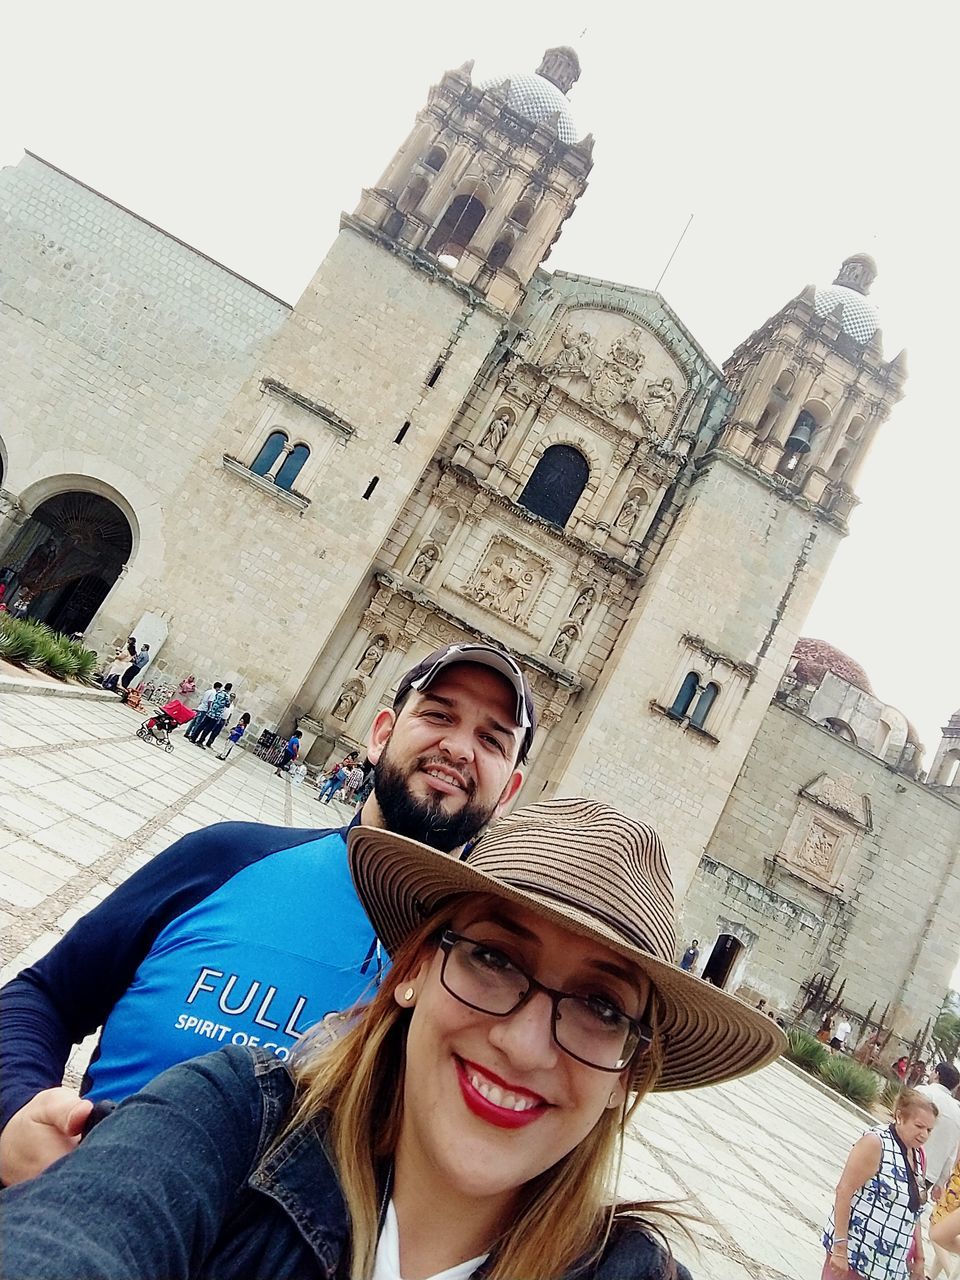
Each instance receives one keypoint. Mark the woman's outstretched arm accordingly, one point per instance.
(144, 1196)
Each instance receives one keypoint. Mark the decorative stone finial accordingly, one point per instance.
(858, 272)
(561, 67)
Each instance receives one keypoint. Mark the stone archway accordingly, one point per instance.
(726, 951)
(68, 555)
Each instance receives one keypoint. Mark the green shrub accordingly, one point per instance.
(890, 1093)
(857, 1083)
(805, 1050)
(33, 644)
(16, 639)
(86, 664)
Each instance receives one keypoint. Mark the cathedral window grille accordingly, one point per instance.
(292, 466)
(457, 227)
(706, 700)
(557, 482)
(270, 451)
(684, 699)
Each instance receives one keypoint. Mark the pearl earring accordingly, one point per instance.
(409, 994)
(612, 1100)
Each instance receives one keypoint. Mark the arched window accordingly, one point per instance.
(688, 691)
(501, 252)
(270, 451)
(840, 728)
(557, 482)
(522, 213)
(435, 159)
(948, 775)
(706, 700)
(292, 466)
(457, 226)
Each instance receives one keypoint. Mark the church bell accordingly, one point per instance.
(799, 439)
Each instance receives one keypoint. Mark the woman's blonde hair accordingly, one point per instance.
(356, 1085)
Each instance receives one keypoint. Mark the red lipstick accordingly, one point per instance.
(503, 1117)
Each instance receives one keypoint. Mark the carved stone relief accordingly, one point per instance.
(372, 657)
(633, 504)
(497, 431)
(566, 637)
(424, 561)
(818, 850)
(351, 693)
(575, 357)
(508, 580)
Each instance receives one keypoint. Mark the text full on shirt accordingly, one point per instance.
(259, 961)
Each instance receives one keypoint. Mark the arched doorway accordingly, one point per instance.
(723, 957)
(68, 555)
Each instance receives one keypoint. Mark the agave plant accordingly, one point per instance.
(86, 664)
(855, 1082)
(890, 1093)
(16, 639)
(805, 1050)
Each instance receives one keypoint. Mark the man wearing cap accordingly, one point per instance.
(248, 934)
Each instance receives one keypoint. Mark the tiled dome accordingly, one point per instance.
(860, 319)
(815, 658)
(535, 98)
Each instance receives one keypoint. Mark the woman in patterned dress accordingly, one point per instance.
(874, 1230)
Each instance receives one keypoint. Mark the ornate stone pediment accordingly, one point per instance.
(838, 794)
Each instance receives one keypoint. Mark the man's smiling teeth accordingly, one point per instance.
(493, 1093)
(445, 776)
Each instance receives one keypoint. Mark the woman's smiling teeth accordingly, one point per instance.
(501, 1097)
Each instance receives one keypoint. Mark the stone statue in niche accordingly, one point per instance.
(634, 504)
(496, 433)
(658, 404)
(426, 558)
(564, 642)
(574, 357)
(583, 604)
(447, 521)
(371, 659)
(350, 695)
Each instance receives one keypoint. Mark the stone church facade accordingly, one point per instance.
(443, 441)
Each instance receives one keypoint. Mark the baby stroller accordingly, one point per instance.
(160, 725)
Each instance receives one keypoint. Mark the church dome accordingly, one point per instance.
(814, 658)
(541, 96)
(858, 317)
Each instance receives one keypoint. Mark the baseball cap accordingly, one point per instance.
(424, 673)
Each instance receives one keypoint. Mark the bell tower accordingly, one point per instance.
(484, 181)
(812, 388)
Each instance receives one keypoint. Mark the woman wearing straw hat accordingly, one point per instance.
(465, 1123)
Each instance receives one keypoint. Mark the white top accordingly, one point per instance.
(942, 1148)
(386, 1265)
(842, 1031)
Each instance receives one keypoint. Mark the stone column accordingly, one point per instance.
(12, 519)
(755, 399)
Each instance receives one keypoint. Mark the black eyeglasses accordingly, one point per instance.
(589, 1028)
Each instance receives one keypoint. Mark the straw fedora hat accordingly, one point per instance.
(598, 873)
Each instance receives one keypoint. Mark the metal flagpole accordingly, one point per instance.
(656, 287)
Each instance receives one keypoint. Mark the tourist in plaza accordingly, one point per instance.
(948, 1202)
(345, 765)
(236, 733)
(203, 707)
(245, 933)
(839, 1038)
(874, 1229)
(691, 955)
(187, 688)
(216, 717)
(290, 753)
(353, 783)
(468, 1121)
(136, 666)
(111, 677)
(942, 1148)
(366, 786)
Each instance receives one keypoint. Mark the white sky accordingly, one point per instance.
(796, 135)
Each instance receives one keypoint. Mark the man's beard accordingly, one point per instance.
(424, 820)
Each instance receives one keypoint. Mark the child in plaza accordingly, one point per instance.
(236, 733)
(467, 1122)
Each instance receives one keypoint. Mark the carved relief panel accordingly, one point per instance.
(830, 817)
(507, 580)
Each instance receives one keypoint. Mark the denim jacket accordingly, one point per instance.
(184, 1180)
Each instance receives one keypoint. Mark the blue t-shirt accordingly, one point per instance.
(240, 934)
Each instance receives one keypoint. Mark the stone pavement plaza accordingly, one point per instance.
(83, 803)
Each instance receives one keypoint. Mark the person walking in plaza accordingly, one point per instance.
(690, 956)
(243, 932)
(838, 1039)
(942, 1148)
(468, 1121)
(290, 753)
(236, 733)
(215, 717)
(203, 706)
(366, 786)
(334, 783)
(874, 1229)
(353, 783)
(346, 764)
